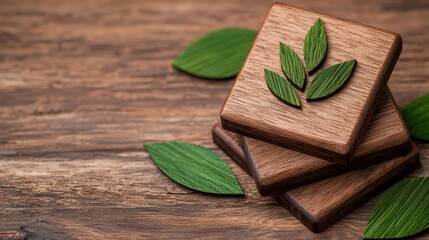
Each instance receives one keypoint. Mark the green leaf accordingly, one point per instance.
(315, 46)
(195, 167)
(330, 80)
(217, 55)
(292, 66)
(402, 211)
(281, 88)
(416, 115)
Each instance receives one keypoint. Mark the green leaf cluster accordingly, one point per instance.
(326, 83)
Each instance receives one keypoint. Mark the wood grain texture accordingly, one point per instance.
(276, 168)
(320, 204)
(329, 129)
(84, 84)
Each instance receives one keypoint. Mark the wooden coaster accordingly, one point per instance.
(276, 168)
(331, 128)
(320, 204)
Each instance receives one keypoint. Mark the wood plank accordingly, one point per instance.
(328, 129)
(276, 168)
(319, 205)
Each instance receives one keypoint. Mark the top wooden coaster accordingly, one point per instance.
(330, 128)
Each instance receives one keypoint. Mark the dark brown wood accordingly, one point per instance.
(328, 129)
(276, 168)
(83, 84)
(320, 204)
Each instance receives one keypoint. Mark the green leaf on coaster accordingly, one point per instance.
(315, 46)
(330, 80)
(402, 211)
(217, 55)
(282, 89)
(292, 66)
(416, 115)
(195, 167)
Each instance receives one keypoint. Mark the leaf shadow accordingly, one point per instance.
(420, 140)
(302, 89)
(208, 79)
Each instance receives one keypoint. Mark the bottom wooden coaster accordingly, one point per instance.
(320, 204)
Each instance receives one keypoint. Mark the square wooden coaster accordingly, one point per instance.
(276, 168)
(331, 128)
(319, 205)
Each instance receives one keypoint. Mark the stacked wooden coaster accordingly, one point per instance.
(326, 158)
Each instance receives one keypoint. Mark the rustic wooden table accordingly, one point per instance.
(83, 84)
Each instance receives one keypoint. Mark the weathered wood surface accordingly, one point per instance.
(332, 128)
(83, 84)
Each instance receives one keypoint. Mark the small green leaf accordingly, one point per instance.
(292, 66)
(281, 88)
(195, 167)
(402, 211)
(416, 115)
(330, 80)
(315, 46)
(217, 55)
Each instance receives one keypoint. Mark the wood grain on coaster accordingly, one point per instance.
(277, 168)
(319, 205)
(328, 129)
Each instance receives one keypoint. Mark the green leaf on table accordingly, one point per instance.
(282, 89)
(292, 66)
(195, 167)
(416, 115)
(315, 46)
(330, 80)
(217, 55)
(402, 211)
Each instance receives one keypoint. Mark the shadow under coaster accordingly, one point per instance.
(320, 204)
(276, 169)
